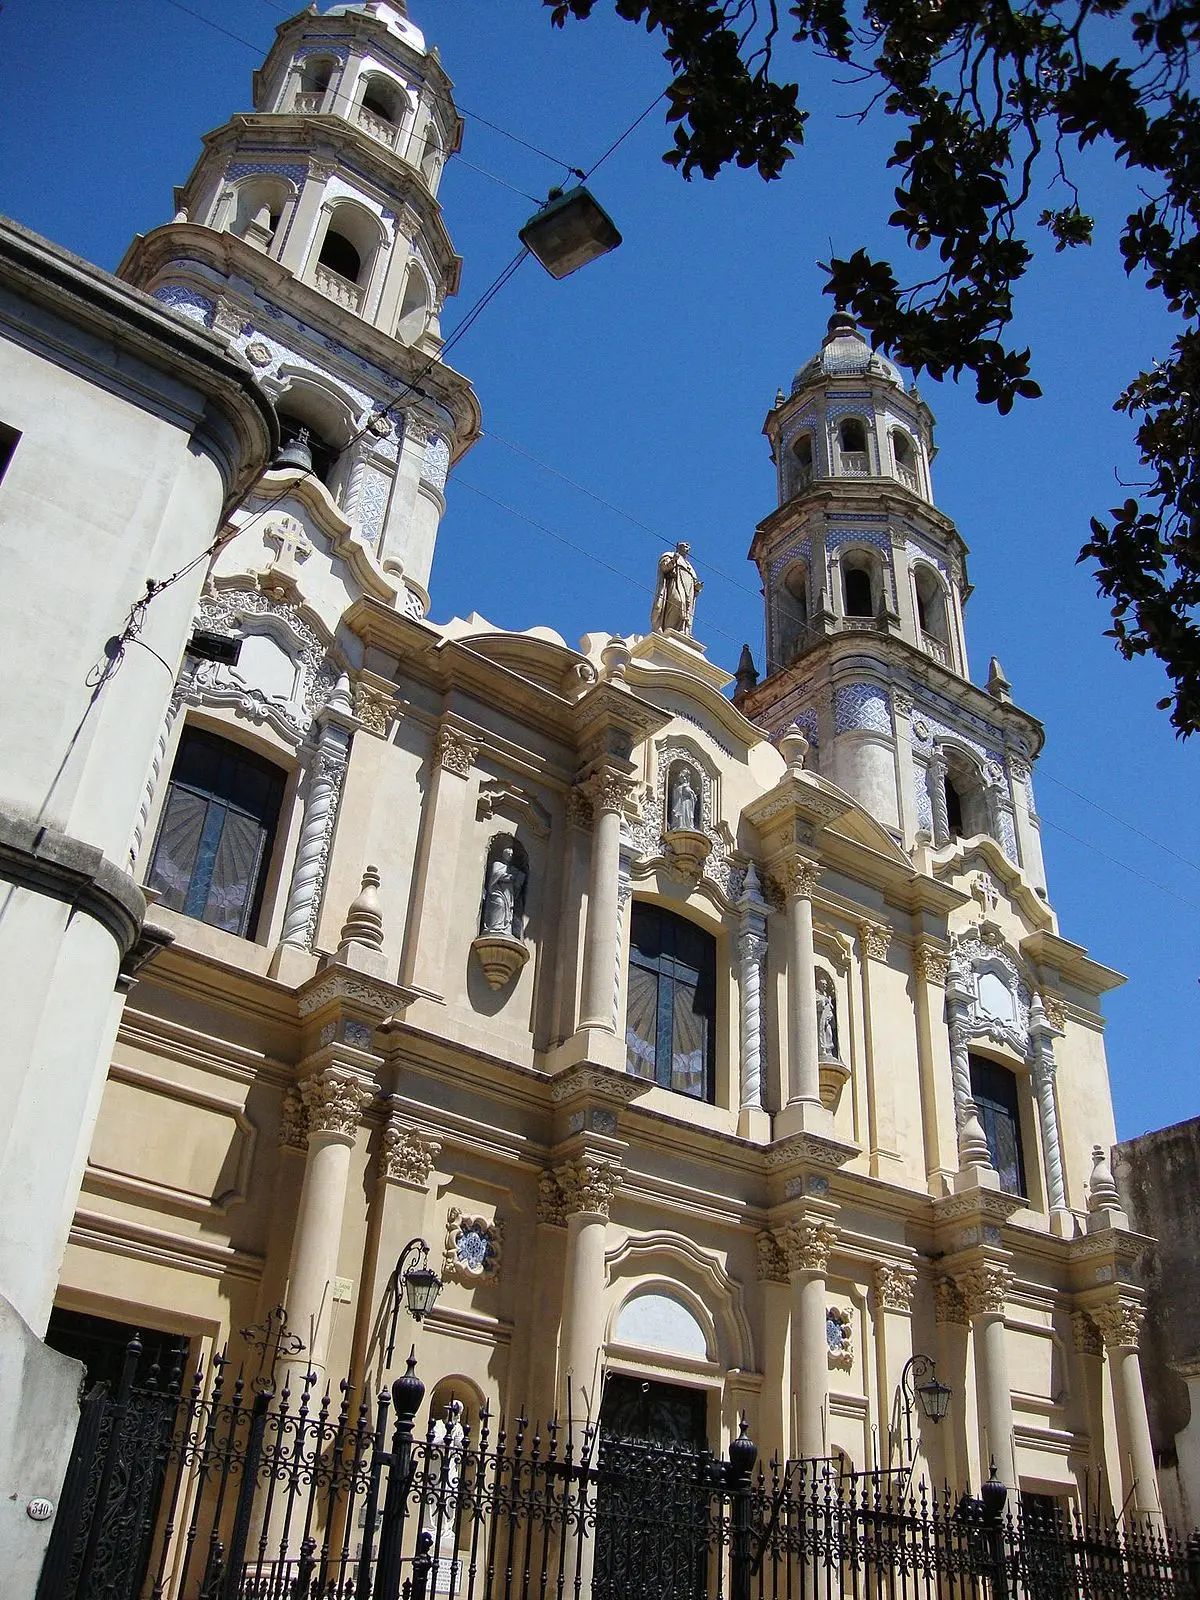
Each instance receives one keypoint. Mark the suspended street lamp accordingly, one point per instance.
(570, 230)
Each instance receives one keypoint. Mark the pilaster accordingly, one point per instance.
(443, 827)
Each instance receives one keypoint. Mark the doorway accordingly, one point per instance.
(653, 1496)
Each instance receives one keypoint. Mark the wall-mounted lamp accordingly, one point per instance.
(415, 1280)
(570, 230)
(919, 1385)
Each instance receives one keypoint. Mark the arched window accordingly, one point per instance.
(967, 810)
(994, 1091)
(414, 308)
(315, 77)
(381, 109)
(852, 441)
(802, 463)
(218, 825)
(294, 415)
(670, 1033)
(339, 255)
(905, 457)
(256, 214)
(858, 587)
(932, 615)
(429, 155)
(347, 254)
(792, 612)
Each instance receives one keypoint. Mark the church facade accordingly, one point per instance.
(711, 1032)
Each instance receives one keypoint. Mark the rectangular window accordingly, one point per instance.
(670, 1035)
(217, 831)
(9, 438)
(994, 1090)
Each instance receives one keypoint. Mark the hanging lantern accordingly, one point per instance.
(570, 230)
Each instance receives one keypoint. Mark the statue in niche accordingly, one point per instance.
(684, 805)
(827, 1041)
(503, 911)
(448, 1438)
(674, 607)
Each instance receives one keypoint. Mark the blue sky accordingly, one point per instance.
(623, 407)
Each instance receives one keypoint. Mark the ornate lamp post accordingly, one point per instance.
(419, 1283)
(919, 1385)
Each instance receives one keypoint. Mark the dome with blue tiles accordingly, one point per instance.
(845, 353)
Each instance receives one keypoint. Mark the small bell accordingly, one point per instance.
(295, 453)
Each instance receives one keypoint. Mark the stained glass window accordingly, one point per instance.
(670, 1034)
(218, 826)
(994, 1090)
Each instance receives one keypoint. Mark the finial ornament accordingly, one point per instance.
(794, 748)
(998, 685)
(1102, 1187)
(364, 920)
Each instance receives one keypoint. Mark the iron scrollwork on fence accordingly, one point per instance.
(210, 1490)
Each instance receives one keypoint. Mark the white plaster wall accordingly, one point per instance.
(95, 503)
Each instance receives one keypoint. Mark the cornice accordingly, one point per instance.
(170, 248)
(1071, 961)
(398, 181)
(646, 679)
(895, 664)
(41, 858)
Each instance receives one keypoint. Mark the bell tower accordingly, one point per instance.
(865, 582)
(310, 234)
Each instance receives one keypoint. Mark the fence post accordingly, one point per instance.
(422, 1562)
(993, 1496)
(133, 1351)
(407, 1394)
(245, 1500)
(742, 1454)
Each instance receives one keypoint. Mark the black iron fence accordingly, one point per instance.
(213, 1491)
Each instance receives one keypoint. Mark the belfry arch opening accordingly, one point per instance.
(791, 612)
(860, 585)
(383, 99)
(905, 457)
(326, 432)
(801, 463)
(257, 211)
(967, 809)
(931, 602)
(853, 448)
(315, 77)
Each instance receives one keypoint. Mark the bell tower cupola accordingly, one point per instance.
(865, 582)
(310, 233)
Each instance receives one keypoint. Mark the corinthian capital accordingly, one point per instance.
(455, 751)
(985, 1288)
(587, 1185)
(607, 790)
(772, 1263)
(293, 1122)
(876, 938)
(895, 1286)
(407, 1155)
(333, 1103)
(807, 1245)
(1088, 1341)
(931, 964)
(949, 1303)
(799, 875)
(1120, 1323)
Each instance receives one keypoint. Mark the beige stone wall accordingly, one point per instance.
(499, 1109)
